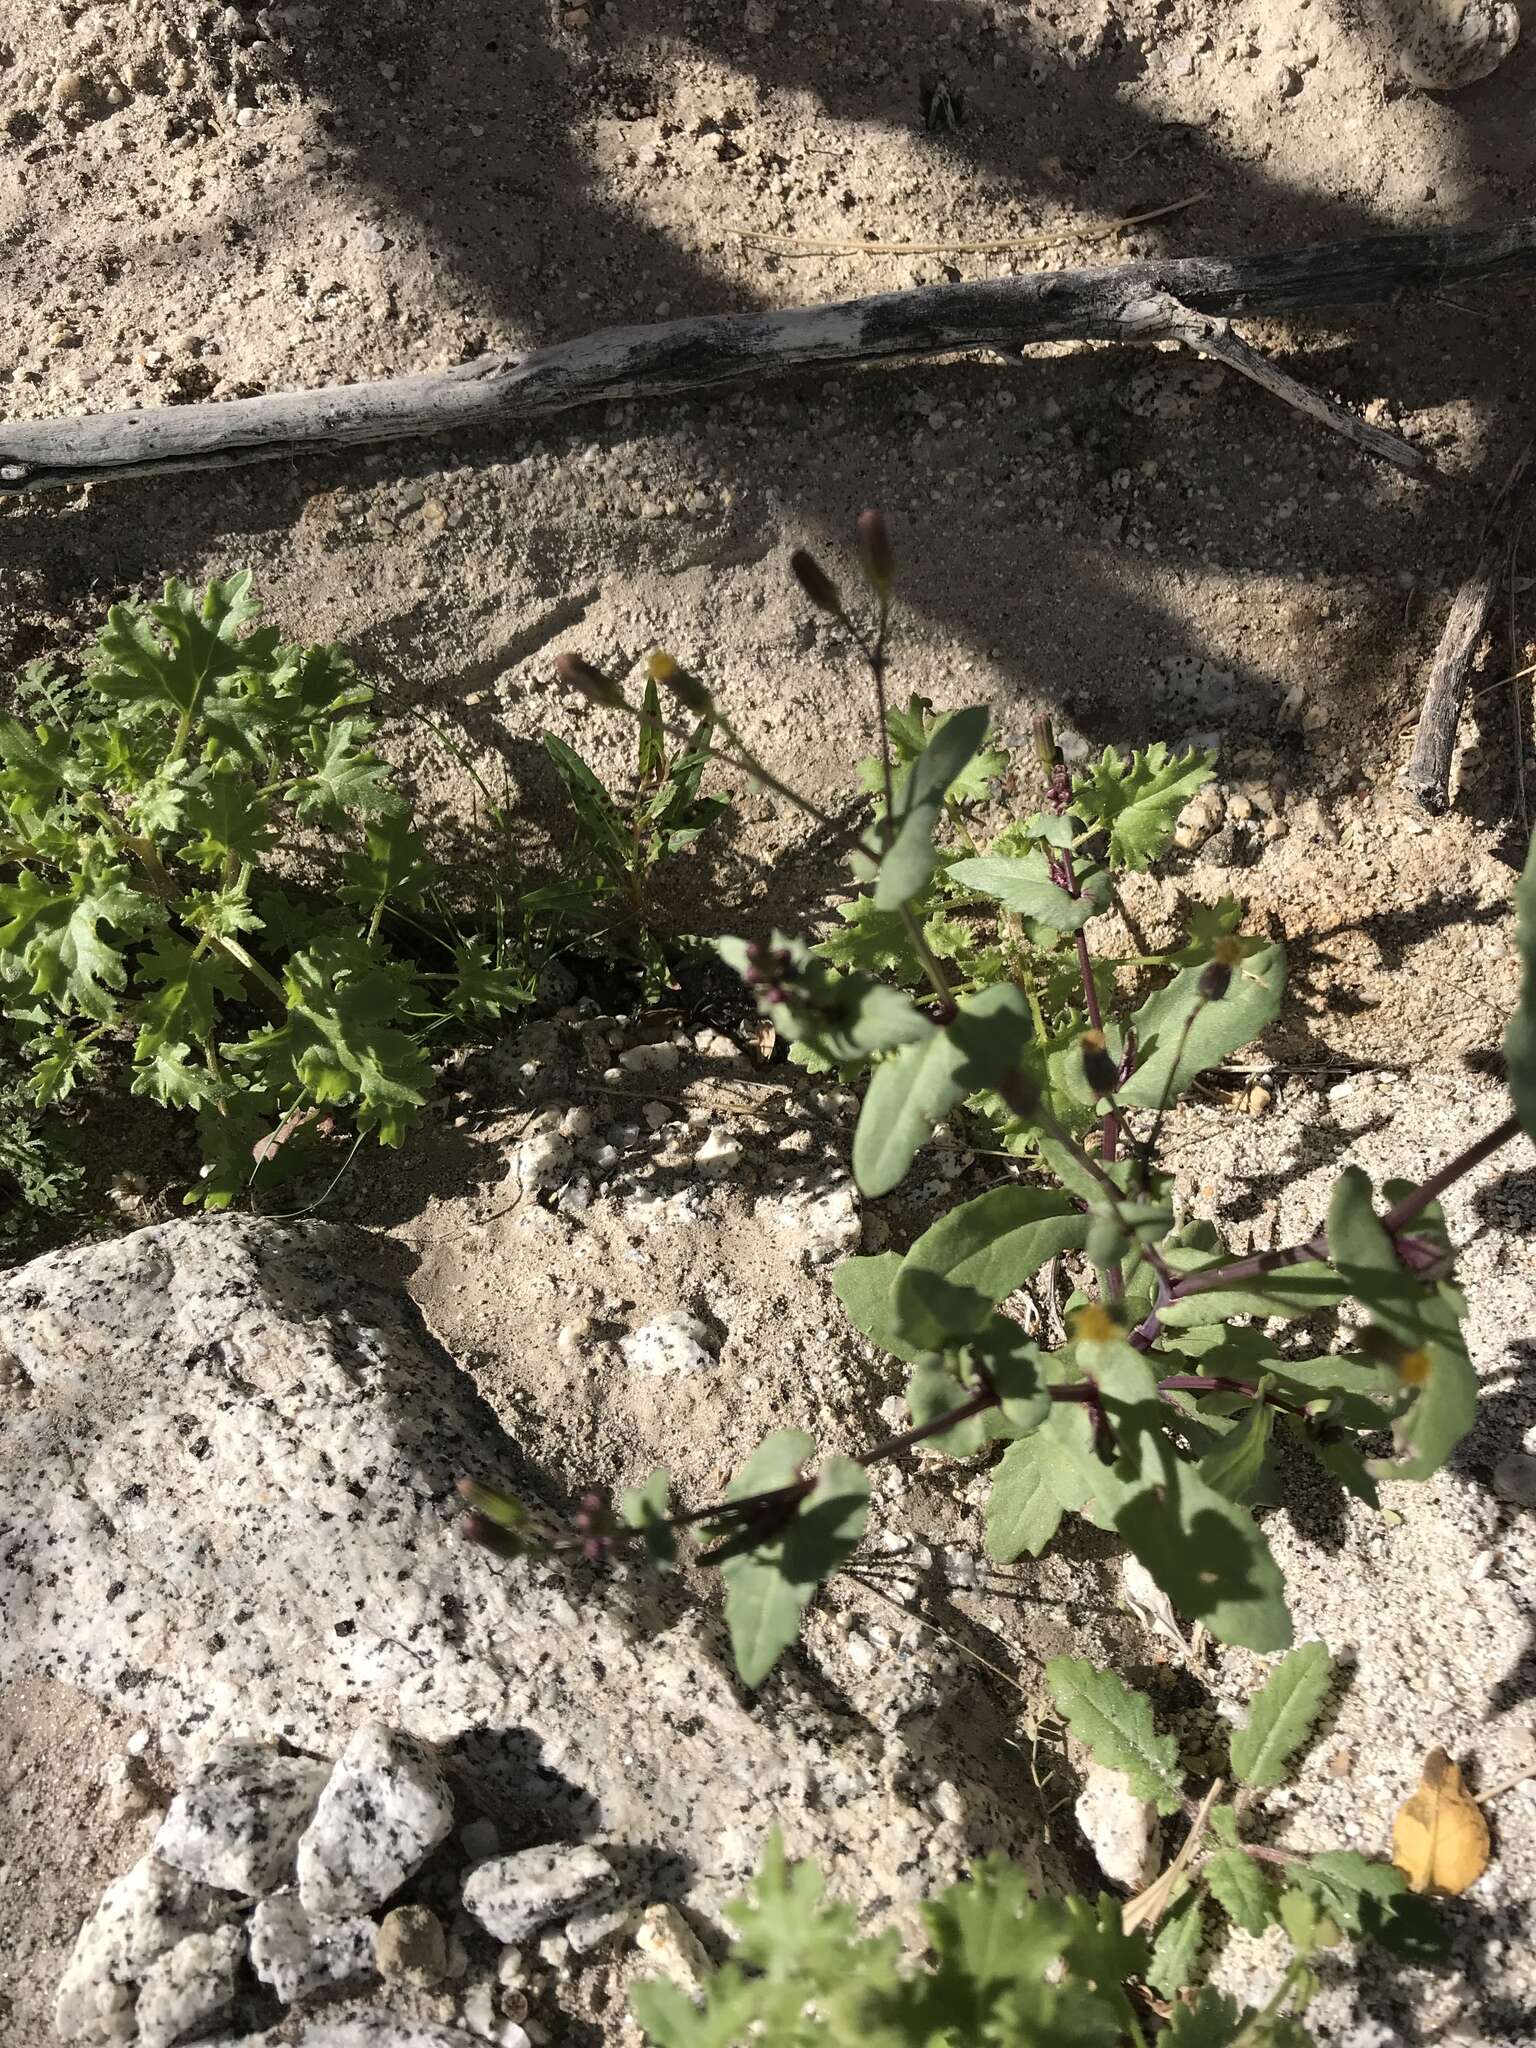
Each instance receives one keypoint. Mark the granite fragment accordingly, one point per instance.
(298, 1956)
(514, 1896)
(1121, 1829)
(231, 1417)
(142, 1915)
(384, 1809)
(189, 1986)
(237, 1820)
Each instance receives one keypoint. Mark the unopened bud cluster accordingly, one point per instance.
(770, 972)
(589, 682)
(595, 1526)
(1058, 795)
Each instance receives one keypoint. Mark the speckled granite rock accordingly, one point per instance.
(513, 1896)
(237, 1820)
(227, 1465)
(189, 1986)
(384, 1810)
(142, 1916)
(1121, 1829)
(357, 2030)
(298, 1956)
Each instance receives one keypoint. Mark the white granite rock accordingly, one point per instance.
(292, 1565)
(189, 1986)
(237, 1820)
(718, 1152)
(671, 1949)
(298, 1956)
(1121, 1829)
(675, 1343)
(143, 1915)
(382, 1813)
(542, 1161)
(514, 1896)
(361, 2029)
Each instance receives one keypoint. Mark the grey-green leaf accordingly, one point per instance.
(1281, 1716)
(907, 865)
(979, 1253)
(1301, 1290)
(1422, 1318)
(1023, 885)
(766, 1588)
(867, 1289)
(645, 1508)
(909, 1093)
(1117, 1725)
(1234, 1466)
(1239, 1884)
(931, 1392)
(1023, 1514)
(1177, 1947)
(1179, 1033)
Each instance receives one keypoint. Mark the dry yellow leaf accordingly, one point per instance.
(1440, 1838)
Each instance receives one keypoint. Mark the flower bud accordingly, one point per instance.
(592, 684)
(688, 690)
(815, 582)
(1102, 1072)
(1021, 1092)
(488, 1536)
(1215, 980)
(495, 1507)
(876, 557)
(1047, 753)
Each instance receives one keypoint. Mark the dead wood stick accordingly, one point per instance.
(1103, 303)
(1167, 319)
(1428, 774)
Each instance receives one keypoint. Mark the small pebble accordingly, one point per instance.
(1514, 1478)
(410, 1943)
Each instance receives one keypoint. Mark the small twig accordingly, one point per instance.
(1514, 693)
(1428, 773)
(791, 245)
(1508, 1784)
(1167, 318)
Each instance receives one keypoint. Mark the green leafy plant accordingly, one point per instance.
(41, 1183)
(1003, 1966)
(627, 833)
(209, 882)
(1184, 1366)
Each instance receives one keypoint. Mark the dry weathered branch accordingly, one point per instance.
(1094, 304)
(1428, 774)
(1166, 319)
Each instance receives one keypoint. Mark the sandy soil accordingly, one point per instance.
(203, 203)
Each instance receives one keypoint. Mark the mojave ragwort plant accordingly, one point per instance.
(1157, 1417)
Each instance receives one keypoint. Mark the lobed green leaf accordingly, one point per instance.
(1117, 1725)
(1281, 1716)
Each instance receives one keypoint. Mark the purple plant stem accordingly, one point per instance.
(1395, 1223)
(1066, 874)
